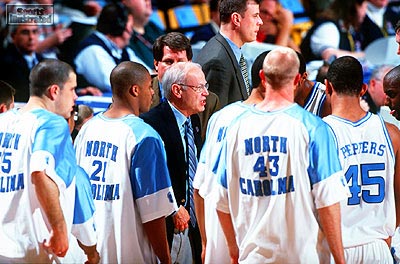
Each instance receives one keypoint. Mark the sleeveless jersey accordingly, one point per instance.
(316, 99)
(367, 158)
(126, 162)
(32, 141)
(272, 178)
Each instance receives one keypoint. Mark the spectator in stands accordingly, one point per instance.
(7, 93)
(383, 15)
(277, 24)
(206, 32)
(83, 114)
(19, 58)
(51, 36)
(337, 33)
(145, 32)
(105, 48)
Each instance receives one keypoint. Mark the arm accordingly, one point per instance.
(157, 234)
(199, 206)
(331, 225)
(394, 133)
(229, 232)
(47, 193)
(58, 37)
(93, 256)
(284, 19)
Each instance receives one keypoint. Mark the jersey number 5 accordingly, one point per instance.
(352, 177)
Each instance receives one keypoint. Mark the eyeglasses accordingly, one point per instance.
(198, 89)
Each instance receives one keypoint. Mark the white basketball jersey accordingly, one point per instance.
(126, 162)
(205, 180)
(367, 158)
(273, 177)
(32, 141)
(316, 99)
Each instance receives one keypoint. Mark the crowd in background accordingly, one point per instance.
(196, 155)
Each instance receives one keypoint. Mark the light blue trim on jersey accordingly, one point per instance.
(149, 171)
(321, 144)
(84, 205)
(53, 136)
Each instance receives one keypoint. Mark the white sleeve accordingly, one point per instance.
(325, 36)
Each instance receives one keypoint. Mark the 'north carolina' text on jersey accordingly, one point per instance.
(126, 162)
(275, 170)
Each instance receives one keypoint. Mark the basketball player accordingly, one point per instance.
(213, 240)
(39, 191)
(277, 199)
(130, 182)
(369, 153)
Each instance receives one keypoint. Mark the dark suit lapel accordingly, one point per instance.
(172, 128)
(238, 72)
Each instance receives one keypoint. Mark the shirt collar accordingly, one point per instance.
(236, 50)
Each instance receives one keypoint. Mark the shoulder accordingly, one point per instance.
(394, 134)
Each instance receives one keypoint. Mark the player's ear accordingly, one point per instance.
(364, 89)
(53, 91)
(134, 90)
(328, 87)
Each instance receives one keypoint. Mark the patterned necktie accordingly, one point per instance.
(192, 165)
(243, 68)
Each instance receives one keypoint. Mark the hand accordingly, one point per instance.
(58, 242)
(284, 17)
(181, 219)
(61, 34)
(93, 256)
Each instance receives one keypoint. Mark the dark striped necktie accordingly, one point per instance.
(243, 68)
(192, 165)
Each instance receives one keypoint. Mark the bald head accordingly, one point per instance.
(126, 74)
(280, 67)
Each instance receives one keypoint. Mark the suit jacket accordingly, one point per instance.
(222, 70)
(212, 105)
(162, 119)
(15, 71)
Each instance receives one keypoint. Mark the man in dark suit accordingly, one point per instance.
(19, 58)
(169, 49)
(221, 56)
(185, 90)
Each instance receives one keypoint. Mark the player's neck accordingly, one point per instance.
(230, 33)
(347, 107)
(276, 99)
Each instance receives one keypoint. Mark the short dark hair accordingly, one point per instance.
(126, 74)
(176, 41)
(228, 7)
(7, 93)
(46, 73)
(346, 75)
(303, 66)
(112, 19)
(256, 67)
